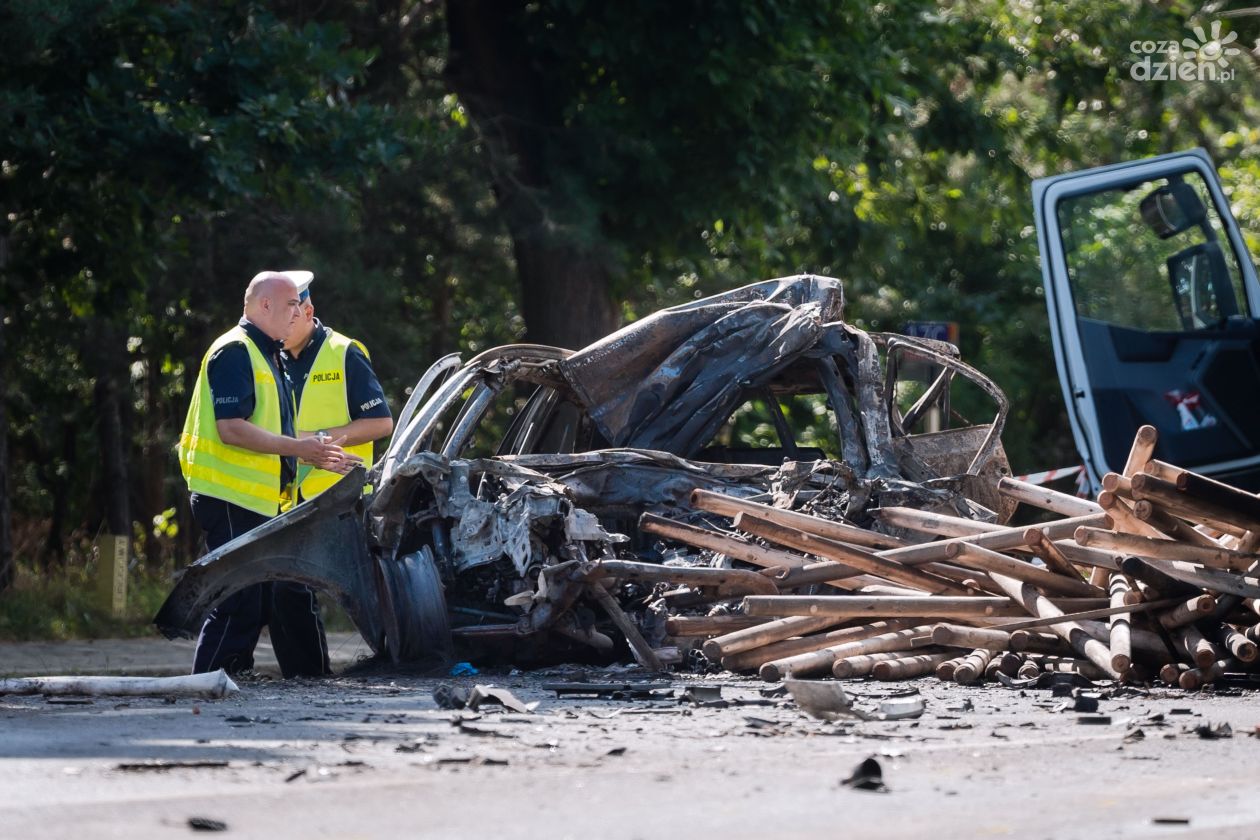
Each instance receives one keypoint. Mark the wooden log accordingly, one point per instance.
(1156, 577)
(1162, 470)
(866, 606)
(1095, 558)
(1123, 518)
(861, 666)
(709, 625)
(1119, 639)
(960, 636)
(1030, 641)
(1050, 553)
(1002, 540)
(1144, 643)
(971, 669)
(1003, 662)
(1042, 607)
(721, 542)
(730, 506)
(1069, 665)
(1199, 677)
(1220, 495)
(1118, 484)
(857, 558)
(761, 635)
(1239, 646)
(1171, 673)
(1200, 577)
(944, 669)
(822, 660)
(989, 561)
(1027, 670)
(1171, 526)
(933, 523)
(755, 658)
(643, 652)
(907, 668)
(1187, 612)
(1197, 649)
(1193, 508)
(1165, 549)
(1045, 498)
(1142, 450)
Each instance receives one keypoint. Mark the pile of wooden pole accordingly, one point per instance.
(1156, 579)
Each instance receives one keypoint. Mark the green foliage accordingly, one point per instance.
(158, 153)
(65, 606)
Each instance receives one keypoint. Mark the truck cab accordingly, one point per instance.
(1154, 314)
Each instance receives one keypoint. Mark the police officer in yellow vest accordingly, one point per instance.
(239, 454)
(338, 394)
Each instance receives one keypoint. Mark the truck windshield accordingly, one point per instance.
(1151, 257)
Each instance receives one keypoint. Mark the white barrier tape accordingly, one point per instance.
(1049, 475)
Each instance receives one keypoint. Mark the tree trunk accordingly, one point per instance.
(562, 267)
(59, 481)
(113, 445)
(6, 535)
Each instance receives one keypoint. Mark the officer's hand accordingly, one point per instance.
(320, 450)
(343, 462)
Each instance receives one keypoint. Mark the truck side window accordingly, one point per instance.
(1131, 268)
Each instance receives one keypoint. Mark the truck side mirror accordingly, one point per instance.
(1172, 208)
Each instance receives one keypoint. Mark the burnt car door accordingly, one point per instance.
(1153, 304)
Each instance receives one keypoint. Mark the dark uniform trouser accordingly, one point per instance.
(289, 610)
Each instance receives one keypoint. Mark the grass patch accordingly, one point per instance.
(66, 605)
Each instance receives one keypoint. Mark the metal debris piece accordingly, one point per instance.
(901, 708)
(702, 694)
(823, 699)
(867, 776)
(206, 824)
(659, 690)
(482, 695)
(1085, 702)
(1211, 731)
(161, 766)
(450, 696)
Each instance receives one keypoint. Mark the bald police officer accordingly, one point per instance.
(239, 453)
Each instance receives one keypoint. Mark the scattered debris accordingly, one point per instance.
(483, 695)
(206, 824)
(867, 776)
(1170, 820)
(450, 696)
(162, 766)
(1211, 732)
(901, 708)
(703, 695)
(823, 699)
(463, 669)
(613, 691)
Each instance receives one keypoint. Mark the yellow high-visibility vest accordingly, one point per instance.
(210, 466)
(325, 404)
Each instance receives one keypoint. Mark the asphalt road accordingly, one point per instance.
(374, 756)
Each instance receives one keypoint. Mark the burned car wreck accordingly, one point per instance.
(526, 543)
